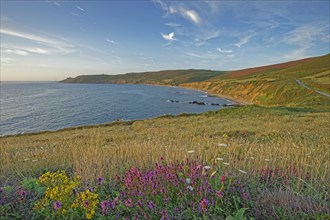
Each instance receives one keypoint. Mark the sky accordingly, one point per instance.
(52, 40)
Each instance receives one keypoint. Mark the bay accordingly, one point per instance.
(38, 106)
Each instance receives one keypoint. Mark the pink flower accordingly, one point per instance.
(223, 179)
(57, 205)
(203, 205)
(128, 203)
(220, 194)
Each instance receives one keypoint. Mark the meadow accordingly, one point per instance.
(263, 162)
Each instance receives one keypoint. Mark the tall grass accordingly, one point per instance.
(265, 143)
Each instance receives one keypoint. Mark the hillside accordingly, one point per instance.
(275, 85)
(272, 85)
(166, 77)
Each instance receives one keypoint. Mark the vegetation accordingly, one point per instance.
(266, 161)
(280, 158)
(166, 77)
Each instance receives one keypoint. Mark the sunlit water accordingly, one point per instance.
(33, 107)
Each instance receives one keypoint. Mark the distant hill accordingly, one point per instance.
(275, 85)
(166, 77)
(272, 85)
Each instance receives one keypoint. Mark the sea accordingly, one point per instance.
(28, 107)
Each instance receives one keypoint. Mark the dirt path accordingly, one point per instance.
(303, 85)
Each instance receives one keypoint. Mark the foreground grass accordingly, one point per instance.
(281, 153)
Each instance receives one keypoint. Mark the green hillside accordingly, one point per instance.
(276, 85)
(166, 77)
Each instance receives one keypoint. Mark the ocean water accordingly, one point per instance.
(34, 106)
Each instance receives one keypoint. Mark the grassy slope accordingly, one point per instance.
(287, 137)
(275, 85)
(166, 77)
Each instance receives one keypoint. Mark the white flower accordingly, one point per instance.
(207, 167)
(226, 163)
(191, 151)
(242, 171)
(223, 145)
(219, 158)
(190, 188)
(188, 180)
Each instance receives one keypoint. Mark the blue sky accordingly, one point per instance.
(52, 40)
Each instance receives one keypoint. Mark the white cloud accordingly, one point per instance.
(174, 8)
(169, 37)
(56, 45)
(112, 41)
(173, 25)
(80, 8)
(191, 15)
(224, 51)
(304, 38)
(244, 40)
(6, 59)
(17, 52)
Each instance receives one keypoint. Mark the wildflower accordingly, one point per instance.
(139, 203)
(226, 163)
(207, 167)
(223, 145)
(151, 205)
(190, 151)
(203, 204)
(57, 205)
(220, 194)
(219, 159)
(188, 180)
(223, 179)
(242, 171)
(99, 181)
(128, 203)
(22, 193)
(164, 214)
(86, 203)
(190, 188)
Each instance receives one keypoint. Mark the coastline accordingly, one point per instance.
(232, 101)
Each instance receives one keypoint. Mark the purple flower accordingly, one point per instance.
(22, 193)
(128, 203)
(203, 205)
(99, 180)
(86, 203)
(57, 205)
(104, 206)
(220, 194)
(151, 205)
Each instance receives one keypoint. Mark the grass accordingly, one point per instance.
(277, 149)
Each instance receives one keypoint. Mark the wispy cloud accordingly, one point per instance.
(112, 41)
(17, 52)
(244, 40)
(6, 59)
(74, 14)
(173, 25)
(173, 8)
(80, 8)
(57, 46)
(169, 37)
(304, 38)
(224, 51)
(191, 15)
